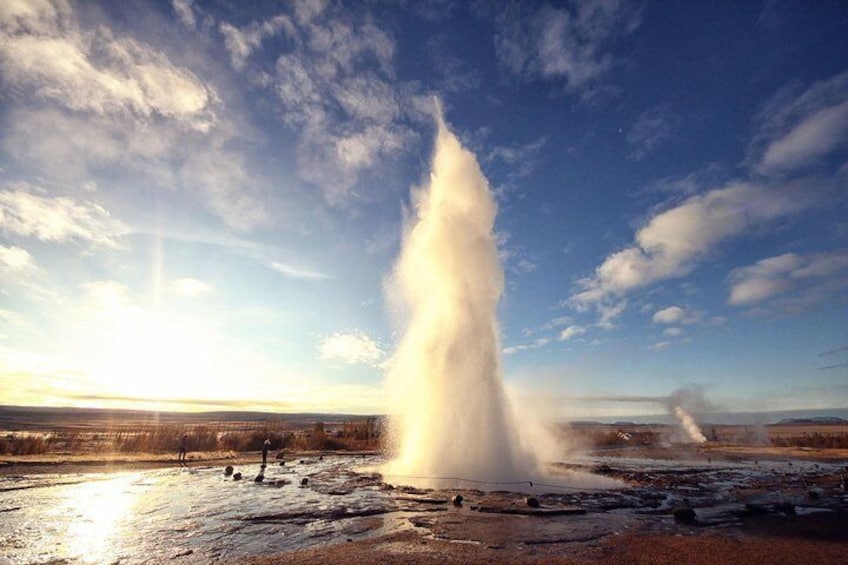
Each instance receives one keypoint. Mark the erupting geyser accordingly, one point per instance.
(448, 408)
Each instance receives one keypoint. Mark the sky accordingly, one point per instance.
(201, 201)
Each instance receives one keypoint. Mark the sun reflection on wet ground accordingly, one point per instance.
(157, 515)
(92, 517)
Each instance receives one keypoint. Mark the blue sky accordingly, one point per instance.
(200, 201)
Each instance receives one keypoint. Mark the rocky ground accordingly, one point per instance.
(687, 506)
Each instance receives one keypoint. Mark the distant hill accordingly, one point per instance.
(35, 417)
(817, 420)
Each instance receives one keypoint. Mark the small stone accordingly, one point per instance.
(685, 515)
(457, 500)
(532, 501)
(237, 477)
(228, 470)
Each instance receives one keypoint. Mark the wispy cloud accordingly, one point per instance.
(240, 43)
(45, 53)
(572, 44)
(455, 75)
(351, 348)
(57, 219)
(797, 129)
(106, 102)
(571, 332)
(191, 288)
(185, 12)
(346, 108)
(15, 260)
(295, 272)
(804, 279)
(651, 129)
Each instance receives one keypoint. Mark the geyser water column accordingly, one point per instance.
(448, 415)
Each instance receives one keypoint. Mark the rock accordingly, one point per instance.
(259, 478)
(785, 508)
(237, 477)
(282, 463)
(532, 501)
(685, 515)
(228, 470)
(304, 481)
(457, 500)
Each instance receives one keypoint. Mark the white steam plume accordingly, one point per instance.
(689, 426)
(449, 415)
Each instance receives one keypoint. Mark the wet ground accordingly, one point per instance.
(200, 515)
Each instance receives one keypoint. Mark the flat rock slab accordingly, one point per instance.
(530, 511)
(422, 499)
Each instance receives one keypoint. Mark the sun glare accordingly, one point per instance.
(139, 354)
(101, 509)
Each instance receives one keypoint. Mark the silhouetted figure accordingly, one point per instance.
(183, 450)
(265, 447)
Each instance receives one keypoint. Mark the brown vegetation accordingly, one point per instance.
(353, 435)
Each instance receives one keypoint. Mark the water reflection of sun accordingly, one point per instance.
(99, 512)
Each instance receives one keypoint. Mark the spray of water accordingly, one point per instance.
(449, 413)
(448, 409)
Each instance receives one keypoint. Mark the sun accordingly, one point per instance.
(152, 356)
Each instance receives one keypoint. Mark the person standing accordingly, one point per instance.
(265, 447)
(183, 450)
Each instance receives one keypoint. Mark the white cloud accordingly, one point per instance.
(571, 332)
(661, 346)
(537, 343)
(572, 43)
(676, 315)
(521, 158)
(811, 275)
(15, 260)
(351, 348)
(294, 272)
(796, 130)
(44, 54)
(184, 11)
(651, 129)
(240, 43)
(348, 111)
(816, 136)
(57, 219)
(670, 315)
(107, 296)
(104, 102)
(673, 332)
(674, 241)
(191, 288)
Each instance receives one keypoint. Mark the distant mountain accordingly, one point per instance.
(36, 417)
(817, 420)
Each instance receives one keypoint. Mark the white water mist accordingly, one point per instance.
(448, 411)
